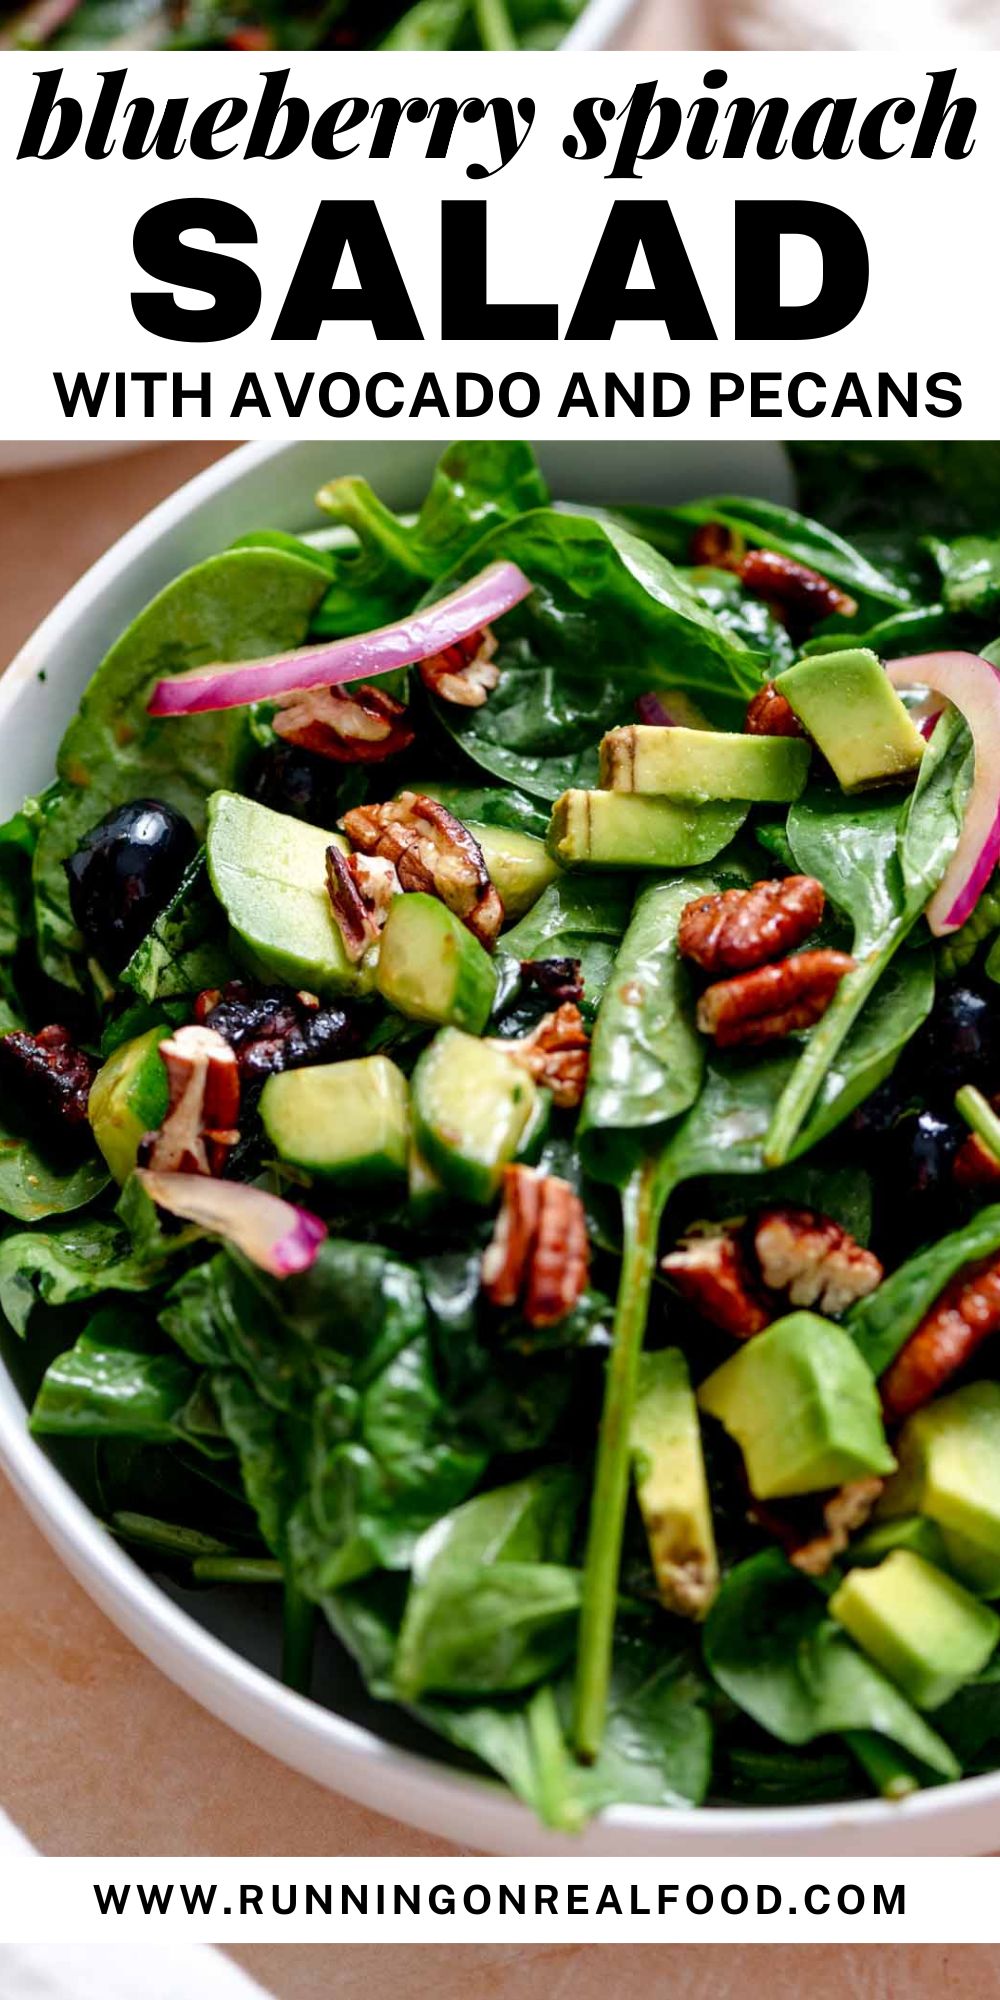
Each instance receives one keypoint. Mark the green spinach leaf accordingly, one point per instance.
(882, 1323)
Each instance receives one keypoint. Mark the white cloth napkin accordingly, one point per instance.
(115, 1971)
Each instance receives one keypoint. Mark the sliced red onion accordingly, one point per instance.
(973, 685)
(418, 637)
(272, 1233)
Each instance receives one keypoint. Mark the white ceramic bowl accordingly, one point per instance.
(600, 24)
(216, 1648)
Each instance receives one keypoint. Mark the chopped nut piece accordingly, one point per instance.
(360, 887)
(965, 1315)
(361, 727)
(539, 1254)
(431, 851)
(557, 979)
(49, 1075)
(463, 673)
(741, 928)
(771, 714)
(815, 1530)
(204, 1104)
(773, 1001)
(812, 1260)
(714, 547)
(556, 1053)
(713, 1275)
(975, 1165)
(792, 589)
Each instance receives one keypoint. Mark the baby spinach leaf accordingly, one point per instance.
(852, 849)
(236, 606)
(578, 916)
(774, 1651)
(607, 620)
(882, 1323)
(110, 1384)
(491, 805)
(186, 949)
(970, 1721)
(488, 1629)
(62, 1266)
(763, 525)
(842, 1192)
(36, 1183)
(970, 573)
(746, 618)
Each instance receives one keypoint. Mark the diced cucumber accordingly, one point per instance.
(426, 1189)
(341, 1121)
(471, 1108)
(536, 1130)
(128, 1098)
(269, 873)
(431, 968)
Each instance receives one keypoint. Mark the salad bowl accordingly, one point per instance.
(221, 1647)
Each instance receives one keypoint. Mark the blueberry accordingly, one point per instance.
(295, 781)
(963, 1040)
(123, 874)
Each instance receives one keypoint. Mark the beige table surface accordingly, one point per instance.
(101, 1755)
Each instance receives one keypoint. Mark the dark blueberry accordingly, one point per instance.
(930, 1145)
(294, 781)
(963, 1040)
(880, 1113)
(123, 874)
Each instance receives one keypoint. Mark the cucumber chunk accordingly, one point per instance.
(128, 1098)
(341, 1121)
(471, 1108)
(431, 968)
(269, 873)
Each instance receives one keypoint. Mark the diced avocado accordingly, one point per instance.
(269, 873)
(471, 1107)
(911, 1531)
(624, 830)
(852, 711)
(128, 1098)
(340, 1121)
(803, 1407)
(669, 1471)
(431, 968)
(519, 866)
(702, 765)
(949, 1469)
(925, 1632)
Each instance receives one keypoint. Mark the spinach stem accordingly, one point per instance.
(980, 1116)
(558, 1804)
(236, 1569)
(825, 1041)
(643, 1199)
(299, 1632)
(889, 1771)
(493, 22)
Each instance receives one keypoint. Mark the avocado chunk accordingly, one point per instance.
(852, 711)
(803, 1407)
(431, 968)
(702, 765)
(669, 1471)
(924, 1631)
(949, 1469)
(128, 1098)
(519, 866)
(341, 1121)
(471, 1109)
(269, 873)
(624, 830)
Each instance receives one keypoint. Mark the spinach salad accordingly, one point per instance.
(499, 1043)
(260, 25)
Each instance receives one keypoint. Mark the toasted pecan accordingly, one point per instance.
(975, 1164)
(966, 1314)
(771, 714)
(431, 851)
(773, 1001)
(714, 547)
(464, 673)
(816, 1529)
(362, 725)
(199, 1129)
(556, 1054)
(712, 1273)
(539, 1255)
(361, 888)
(812, 1260)
(738, 929)
(793, 590)
(49, 1076)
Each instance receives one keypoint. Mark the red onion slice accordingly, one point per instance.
(973, 685)
(272, 1233)
(485, 598)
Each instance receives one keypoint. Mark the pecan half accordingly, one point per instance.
(431, 851)
(801, 594)
(48, 1075)
(539, 1256)
(812, 1260)
(361, 727)
(556, 979)
(771, 714)
(713, 1274)
(741, 928)
(714, 547)
(815, 1530)
(965, 1315)
(556, 1053)
(773, 1001)
(275, 1029)
(464, 673)
(360, 888)
(199, 1129)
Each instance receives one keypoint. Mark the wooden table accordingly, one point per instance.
(102, 1755)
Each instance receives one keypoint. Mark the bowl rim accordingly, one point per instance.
(356, 1760)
